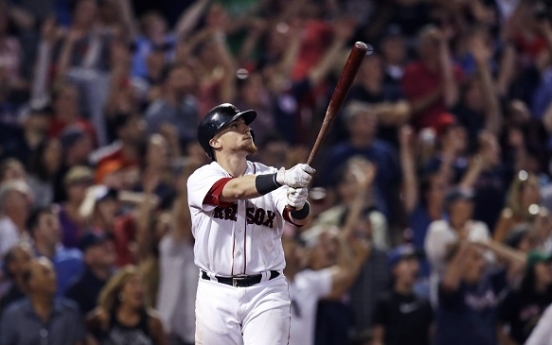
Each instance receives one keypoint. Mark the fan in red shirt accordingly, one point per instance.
(67, 113)
(431, 83)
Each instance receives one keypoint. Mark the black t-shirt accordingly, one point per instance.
(521, 311)
(490, 194)
(406, 319)
(85, 291)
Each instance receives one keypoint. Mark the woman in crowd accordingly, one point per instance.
(522, 204)
(122, 318)
(522, 308)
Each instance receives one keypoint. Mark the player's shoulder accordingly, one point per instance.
(206, 170)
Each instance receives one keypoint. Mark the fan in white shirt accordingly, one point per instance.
(307, 286)
(444, 233)
(15, 204)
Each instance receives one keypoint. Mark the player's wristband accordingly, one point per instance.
(266, 183)
(302, 213)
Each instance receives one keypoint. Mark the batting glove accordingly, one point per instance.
(298, 176)
(297, 197)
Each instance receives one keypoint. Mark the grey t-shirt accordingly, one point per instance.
(20, 325)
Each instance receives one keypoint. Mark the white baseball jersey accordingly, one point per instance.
(240, 238)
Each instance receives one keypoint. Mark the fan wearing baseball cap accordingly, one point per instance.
(99, 260)
(402, 317)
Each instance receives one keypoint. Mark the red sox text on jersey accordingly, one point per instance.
(258, 216)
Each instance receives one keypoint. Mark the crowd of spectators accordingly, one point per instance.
(431, 203)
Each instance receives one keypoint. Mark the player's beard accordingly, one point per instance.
(249, 147)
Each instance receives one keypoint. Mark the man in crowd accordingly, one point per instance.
(16, 263)
(99, 260)
(178, 106)
(43, 225)
(469, 295)
(42, 318)
(401, 317)
(362, 125)
(308, 286)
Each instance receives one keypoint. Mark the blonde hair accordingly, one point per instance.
(109, 296)
(521, 181)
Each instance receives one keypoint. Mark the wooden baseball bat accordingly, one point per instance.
(342, 88)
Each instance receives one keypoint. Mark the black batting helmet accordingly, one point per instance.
(216, 119)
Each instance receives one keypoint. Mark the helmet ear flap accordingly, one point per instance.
(252, 134)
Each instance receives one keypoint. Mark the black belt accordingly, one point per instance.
(240, 281)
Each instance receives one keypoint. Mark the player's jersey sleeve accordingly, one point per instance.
(206, 183)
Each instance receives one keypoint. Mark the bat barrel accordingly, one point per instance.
(340, 93)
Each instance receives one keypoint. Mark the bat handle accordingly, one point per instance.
(311, 157)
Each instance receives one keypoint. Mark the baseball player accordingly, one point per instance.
(238, 210)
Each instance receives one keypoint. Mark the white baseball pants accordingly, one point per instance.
(255, 315)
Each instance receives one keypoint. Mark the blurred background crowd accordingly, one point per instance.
(431, 204)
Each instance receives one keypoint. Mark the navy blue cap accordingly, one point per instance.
(457, 194)
(71, 135)
(91, 239)
(402, 252)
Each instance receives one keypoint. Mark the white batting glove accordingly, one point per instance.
(299, 175)
(297, 197)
